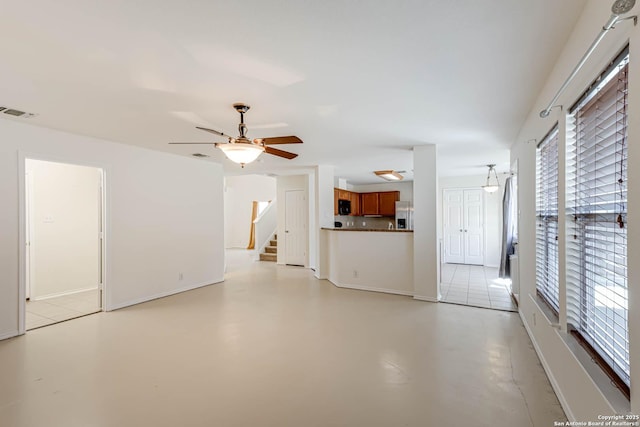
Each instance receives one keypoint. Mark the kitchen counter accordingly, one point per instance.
(394, 230)
(377, 260)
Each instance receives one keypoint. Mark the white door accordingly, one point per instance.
(295, 238)
(463, 226)
(28, 185)
(473, 227)
(453, 227)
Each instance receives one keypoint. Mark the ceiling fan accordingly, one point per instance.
(241, 149)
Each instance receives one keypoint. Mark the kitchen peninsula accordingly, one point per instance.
(379, 260)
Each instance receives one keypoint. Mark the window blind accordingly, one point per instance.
(597, 213)
(547, 219)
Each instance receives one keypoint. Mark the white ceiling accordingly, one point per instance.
(360, 81)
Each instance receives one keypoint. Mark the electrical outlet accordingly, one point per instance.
(534, 319)
(180, 276)
(355, 273)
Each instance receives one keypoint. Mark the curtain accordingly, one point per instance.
(508, 227)
(252, 232)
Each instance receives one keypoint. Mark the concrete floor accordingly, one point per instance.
(273, 346)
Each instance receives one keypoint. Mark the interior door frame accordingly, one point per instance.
(484, 219)
(22, 227)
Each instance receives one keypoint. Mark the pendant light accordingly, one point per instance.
(489, 187)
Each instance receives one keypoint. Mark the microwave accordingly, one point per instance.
(344, 207)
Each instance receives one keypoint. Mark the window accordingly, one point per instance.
(597, 218)
(547, 219)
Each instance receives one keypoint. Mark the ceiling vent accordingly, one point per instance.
(199, 155)
(16, 113)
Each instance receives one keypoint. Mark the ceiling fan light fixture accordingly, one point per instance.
(491, 187)
(241, 152)
(389, 175)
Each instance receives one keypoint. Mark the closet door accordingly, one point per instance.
(473, 227)
(453, 226)
(463, 226)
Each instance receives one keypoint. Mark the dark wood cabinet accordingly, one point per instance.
(370, 204)
(355, 204)
(387, 202)
(382, 203)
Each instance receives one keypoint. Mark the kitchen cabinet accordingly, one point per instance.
(370, 204)
(380, 203)
(344, 194)
(355, 204)
(387, 202)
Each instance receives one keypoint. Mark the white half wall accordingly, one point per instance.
(164, 216)
(65, 226)
(239, 193)
(371, 260)
(492, 212)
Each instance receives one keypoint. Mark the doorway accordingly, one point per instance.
(64, 242)
(464, 226)
(296, 232)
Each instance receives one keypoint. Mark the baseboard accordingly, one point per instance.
(62, 294)
(7, 335)
(547, 370)
(423, 298)
(372, 289)
(141, 300)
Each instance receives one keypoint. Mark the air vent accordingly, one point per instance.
(16, 113)
(199, 155)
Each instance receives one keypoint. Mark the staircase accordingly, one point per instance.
(271, 251)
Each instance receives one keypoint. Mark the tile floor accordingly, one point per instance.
(274, 346)
(53, 310)
(475, 285)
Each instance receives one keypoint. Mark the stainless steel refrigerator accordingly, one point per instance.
(404, 216)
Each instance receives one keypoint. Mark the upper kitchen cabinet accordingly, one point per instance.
(383, 203)
(387, 202)
(370, 204)
(355, 204)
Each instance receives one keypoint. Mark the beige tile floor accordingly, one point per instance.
(52, 310)
(273, 346)
(475, 285)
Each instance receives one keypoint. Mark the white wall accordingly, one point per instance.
(426, 266)
(492, 212)
(582, 389)
(371, 260)
(284, 184)
(164, 216)
(239, 193)
(65, 220)
(405, 189)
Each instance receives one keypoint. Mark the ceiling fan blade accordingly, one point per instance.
(280, 153)
(278, 140)
(192, 143)
(213, 131)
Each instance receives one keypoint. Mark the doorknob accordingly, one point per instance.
(461, 230)
(286, 231)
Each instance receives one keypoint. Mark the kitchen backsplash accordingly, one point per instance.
(365, 222)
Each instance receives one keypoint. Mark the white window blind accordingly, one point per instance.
(597, 215)
(547, 219)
